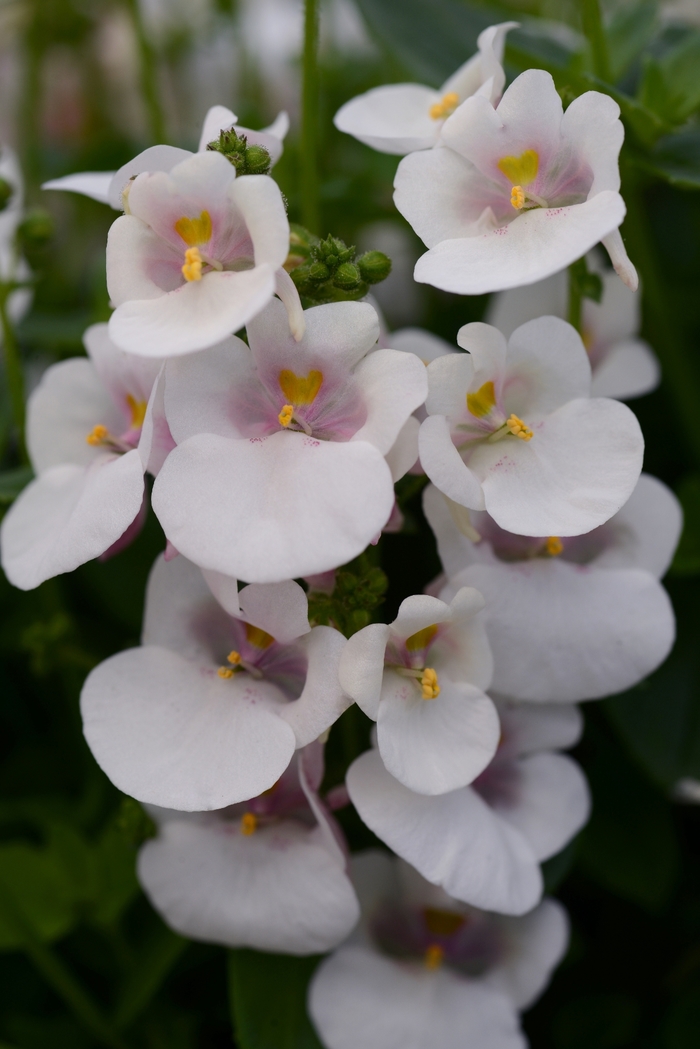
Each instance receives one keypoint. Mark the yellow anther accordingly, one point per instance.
(97, 435)
(421, 639)
(225, 672)
(192, 269)
(517, 197)
(429, 684)
(300, 389)
(433, 956)
(554, 546)
(257, 637)
(445, 107)
(138, 411)
(234, 657)
(522, 170)
(249, 823)
(194, 231)
(286, 415)
(481, 402)
(518, 428)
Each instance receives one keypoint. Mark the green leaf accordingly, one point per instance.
(675, 158)
(267, 998)
(687, 558)
(35, 883)
(155, 960)
(12, 482)
(629, 30)
(670, 85)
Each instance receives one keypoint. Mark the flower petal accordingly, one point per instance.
(155, 158)
(198, 389)
(394, 118)
(94, 184)
(445, 466)
(361, 668)
(392, 385)
(280, 609)
(322, 701)
(534, 946)
(629, 369)
(645, 532)
(338, 332)
(218, 119)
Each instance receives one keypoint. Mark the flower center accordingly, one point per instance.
(100, 436)
(445, 107)
(421, 639)
(301, 391)
(521, 172)
(554, 546)
(249, 824)
(429, 684)
(481, 402)
(515, 426)
(194, 231)
(433, 957)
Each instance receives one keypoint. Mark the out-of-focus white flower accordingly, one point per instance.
(198, 256)
(512, 429)
(267, 873)
(426, 970)
(623, 365)
(280, 468)
(210, 709)
(572, 618)
(521, 191)
(422, 679)
(483, 843)
(401, 118)
(93, 428)
(12, 266)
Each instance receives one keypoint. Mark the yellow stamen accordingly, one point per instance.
(429, 684)
(138, 411)
(433, 957)
(517, 197)
(97, 435)
(192, 269)
(194, 231)
(234, 657)
(257, 637)
(518, 428)
(554, 546)
(249, 824)
(522, 170)
(421, 639)
(481, 402)
(286, 415)
(445, 107)
(225, 672)
(300, 389)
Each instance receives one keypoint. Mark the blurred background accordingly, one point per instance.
(84, 86)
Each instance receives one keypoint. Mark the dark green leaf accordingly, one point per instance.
(687, 559)
(12, 482)
(155, 960)
(670, 85)
(36, 887)
(267, 997)
(676, 158)
(629, 30)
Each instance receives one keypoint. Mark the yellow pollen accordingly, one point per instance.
(481, 402)
(517, 197)
(257, 637)
(249, 823)
(138, 411)
(421, 639)
(433, 957)
(300, 389)
(194, 231)
(520, 171)
(286, 415)
(192, 269)
(518, 428)
(554, 546)
(225, 672)
(97, 435)
(234, 657)
(445, 107)
(429, 684)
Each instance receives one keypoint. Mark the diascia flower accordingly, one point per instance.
(199, 254)
(268, 873)
(623, 365)
(209, 710)
(483, 843)
(597, 618)
(400, 118)
(521, 191)
(280, 468)
(425, 970)
(93, 429)
(422, 679)
(109, 186)
(512, 429)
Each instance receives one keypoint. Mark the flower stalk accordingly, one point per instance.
(13, 367)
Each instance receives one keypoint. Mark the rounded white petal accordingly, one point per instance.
(592, 125)
(198, 389)
(259, 200)
(339, 332)
(531, 247)
(131, 247)
(69, 515)
(536, 943)
(629, 369)
(179, 603)
(278, 889)
(455, 549)
(529, 727)
(155, 158)
(280, 609)
(392, 385)
(272, 508)
(94, 184)
(403, 453)
(170, 733)
(507, 310)
(394, 118)
(434, 191)
(564, 632)
(419, 611)
(359, 998)
(124, 375)
(547, 366)
(445, 466)
(454, 840)
(645, 532)
(449, 379)
(225, 590)
(218, 119)
(423, 344)
(322, 701)
(361, 669)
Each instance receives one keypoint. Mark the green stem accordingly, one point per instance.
(595, 33)
(149, 74)
(13, 368)
(575, 308)
(309, 120)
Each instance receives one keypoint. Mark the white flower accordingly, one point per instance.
(422, 679)
(401, 118)
(573, 618)
(483, 843)
(12, 266)
(268, 873)
(512, 429)
(280, 470)
(521, 191)
(209, 711)
(424, 970)
(198, 256)
(90, 438)
(108, 186)
(623, 365)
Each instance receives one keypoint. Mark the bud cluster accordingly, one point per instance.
(330, 271)
(246, 159)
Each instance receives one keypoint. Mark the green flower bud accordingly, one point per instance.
(258, 160)
(347, 276)
(36, 229)
(331, 261)
(374, 266)
(318, 272)
(6, 191)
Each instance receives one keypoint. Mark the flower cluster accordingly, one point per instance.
(274, 454)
